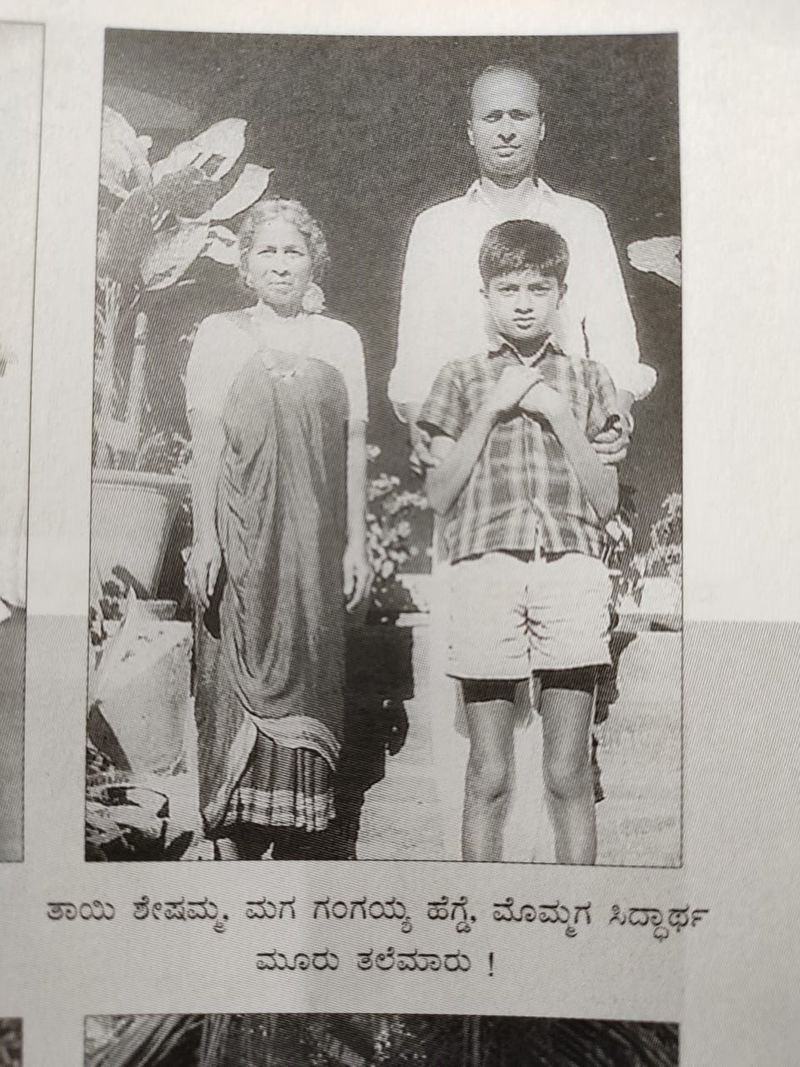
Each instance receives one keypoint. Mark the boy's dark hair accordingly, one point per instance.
(523, 244)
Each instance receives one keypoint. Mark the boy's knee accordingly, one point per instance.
(567, 779)
(488, 780)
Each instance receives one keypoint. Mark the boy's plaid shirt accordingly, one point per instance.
(523, 493)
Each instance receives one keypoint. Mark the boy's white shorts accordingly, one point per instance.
(514, 614)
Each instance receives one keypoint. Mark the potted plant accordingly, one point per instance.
(155, 222)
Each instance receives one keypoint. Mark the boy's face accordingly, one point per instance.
(523, 304)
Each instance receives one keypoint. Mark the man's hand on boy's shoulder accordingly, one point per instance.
(613, 441)
(510, 388)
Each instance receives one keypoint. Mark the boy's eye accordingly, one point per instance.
(493, 116)
(520, 116)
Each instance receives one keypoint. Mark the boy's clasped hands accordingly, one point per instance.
(524, 388)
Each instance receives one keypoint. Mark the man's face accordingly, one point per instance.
(506, 125)
(523, 304)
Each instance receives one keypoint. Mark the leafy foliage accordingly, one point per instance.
(155, 222)
(664, 557)
(382, 1041)
(390, 510)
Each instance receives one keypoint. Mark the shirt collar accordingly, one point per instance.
(535, 189)
(500, 345)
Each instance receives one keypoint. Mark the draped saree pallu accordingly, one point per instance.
(269, 702)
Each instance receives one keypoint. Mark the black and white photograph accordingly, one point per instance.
(21, 56)
(387, 500)
(291, 1040)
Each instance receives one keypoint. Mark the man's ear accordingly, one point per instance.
(542, 130)
(562, 289)
(470, 134)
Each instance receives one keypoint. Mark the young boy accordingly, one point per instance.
(524, 500)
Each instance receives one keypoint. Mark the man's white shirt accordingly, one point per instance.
(442, 312)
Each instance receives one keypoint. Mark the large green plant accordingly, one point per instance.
(155, 221)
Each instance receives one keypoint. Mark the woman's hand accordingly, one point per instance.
(357, 574)
(202, 571)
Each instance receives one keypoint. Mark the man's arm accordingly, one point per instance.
(357, 573)
(208, 442)
(411, 376)
(608, 325)
(415, 365)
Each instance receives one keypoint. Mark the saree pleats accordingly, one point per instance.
(269, 690)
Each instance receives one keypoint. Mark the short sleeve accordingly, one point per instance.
(210, 366)
(353, 370)
(444, 412)
(603, 404)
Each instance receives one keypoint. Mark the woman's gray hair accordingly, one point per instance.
(290, 211)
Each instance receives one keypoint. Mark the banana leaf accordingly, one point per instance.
(250, 186)
(222, 246)
(215, 151)
(129, 238)
(186, 193)
(124, 165)
(173, 251)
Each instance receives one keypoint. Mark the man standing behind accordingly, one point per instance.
(442, 318)
(505, 128)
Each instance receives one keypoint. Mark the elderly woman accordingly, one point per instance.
(277, 405)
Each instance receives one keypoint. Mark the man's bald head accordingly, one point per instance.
(506, 124)
(505, 67)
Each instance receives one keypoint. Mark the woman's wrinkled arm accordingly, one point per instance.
(208, 441)
(357, 571)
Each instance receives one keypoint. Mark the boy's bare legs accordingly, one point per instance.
(489, 708)
(566, 705)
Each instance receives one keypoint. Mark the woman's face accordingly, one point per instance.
(279, 266)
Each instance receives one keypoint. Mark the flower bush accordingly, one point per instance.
(662, 559)
(390, 510)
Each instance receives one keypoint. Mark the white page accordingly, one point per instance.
(728, 981)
